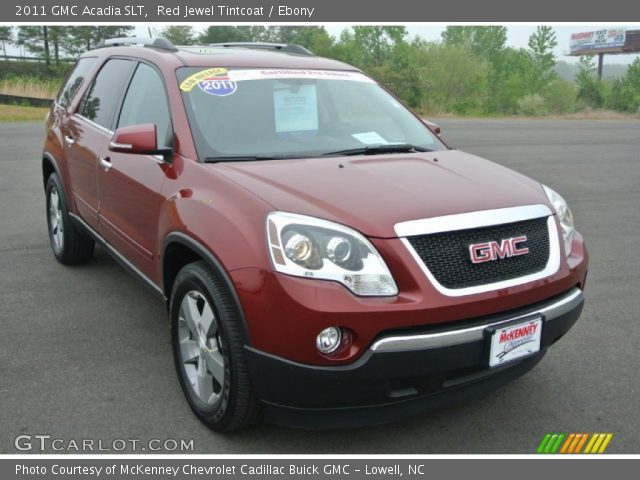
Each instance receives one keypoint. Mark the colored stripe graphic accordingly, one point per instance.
(567, 443)
(604, 445)
(572, 443)
(556, 445)
(543, 443)
(582, 442)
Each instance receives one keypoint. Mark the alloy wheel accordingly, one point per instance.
(55, 220)
(200, 347)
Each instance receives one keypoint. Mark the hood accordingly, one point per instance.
(372, 193)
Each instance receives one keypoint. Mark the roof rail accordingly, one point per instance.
(282, 47)
(158, 42)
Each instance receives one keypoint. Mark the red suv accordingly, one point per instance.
(324, 257)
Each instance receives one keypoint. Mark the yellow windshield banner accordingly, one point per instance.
(190, 82)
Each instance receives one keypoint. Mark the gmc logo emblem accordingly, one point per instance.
(490, 251)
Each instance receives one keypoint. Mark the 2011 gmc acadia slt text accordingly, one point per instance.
(325, 258)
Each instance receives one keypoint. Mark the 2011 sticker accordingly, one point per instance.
(213, 81)
(219, 85)
(192, 80)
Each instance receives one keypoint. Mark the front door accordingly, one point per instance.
(129, 184)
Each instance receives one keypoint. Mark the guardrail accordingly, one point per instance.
(16, 58)
(25, 101)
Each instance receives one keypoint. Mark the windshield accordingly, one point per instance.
(245, 114)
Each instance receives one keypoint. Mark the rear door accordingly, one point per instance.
(62, 111)
(130, 184)
(88, 131)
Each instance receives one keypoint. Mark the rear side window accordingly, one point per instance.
(105, 93)
(146, 102)
(75, 80)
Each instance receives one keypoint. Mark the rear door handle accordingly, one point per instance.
(105, 162)
(69, 140)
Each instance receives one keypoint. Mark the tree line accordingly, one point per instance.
(470, 70)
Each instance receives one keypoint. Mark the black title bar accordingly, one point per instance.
(302, 11)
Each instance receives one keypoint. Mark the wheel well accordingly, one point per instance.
(47, 170)
(176, 256)
(180, 250)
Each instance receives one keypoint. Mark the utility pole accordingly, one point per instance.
(600, 62)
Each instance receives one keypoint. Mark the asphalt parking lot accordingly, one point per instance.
(85, 353)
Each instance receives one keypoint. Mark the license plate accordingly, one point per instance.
(515, 341)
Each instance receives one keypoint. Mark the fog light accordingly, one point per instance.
(328, 340)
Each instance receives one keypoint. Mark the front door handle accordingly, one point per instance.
(105, 162)
(69, 140)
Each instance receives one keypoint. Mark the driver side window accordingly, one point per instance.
(146, 102)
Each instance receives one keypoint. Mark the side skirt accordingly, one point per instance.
(118, 257)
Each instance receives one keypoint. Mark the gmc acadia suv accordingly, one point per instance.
(325, 258)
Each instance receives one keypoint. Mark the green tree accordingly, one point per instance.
(404, 72)
(58, 39)
(376, 43)
(81, 39)
(625, 92)
(623, 97)
(632, 76)
(541, 45)
(179, 34)
(222, 33)
(368, 48)
(243, 33)
(456, 80)
(560, 96)
(84, 38)
(6, 36)
(313, 38)
(487, 42)
(590, 90)
(36, 40)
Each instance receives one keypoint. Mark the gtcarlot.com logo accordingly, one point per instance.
(49, 443)
(575, 443)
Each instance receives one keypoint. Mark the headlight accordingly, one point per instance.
(565, 217)
(313, 248)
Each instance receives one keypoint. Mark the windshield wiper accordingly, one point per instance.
(251, 158)
(379, 149)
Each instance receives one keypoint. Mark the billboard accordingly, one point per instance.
(605, 39)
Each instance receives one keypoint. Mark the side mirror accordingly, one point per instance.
(434, 127)
(137, 139)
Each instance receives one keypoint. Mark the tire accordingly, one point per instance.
(69, 246)
(208, 350)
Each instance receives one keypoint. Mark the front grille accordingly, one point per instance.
(446, 254)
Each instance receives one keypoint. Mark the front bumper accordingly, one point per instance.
(402, 373)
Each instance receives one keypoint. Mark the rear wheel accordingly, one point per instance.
(208, 349)
(69, 246)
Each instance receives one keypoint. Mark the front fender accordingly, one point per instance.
(227, 220)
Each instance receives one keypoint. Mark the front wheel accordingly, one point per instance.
(208, 349)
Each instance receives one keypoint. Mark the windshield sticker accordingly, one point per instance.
(240, 75)
(205, 78)
(219, 85)
(370, 138)
(296, 109)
